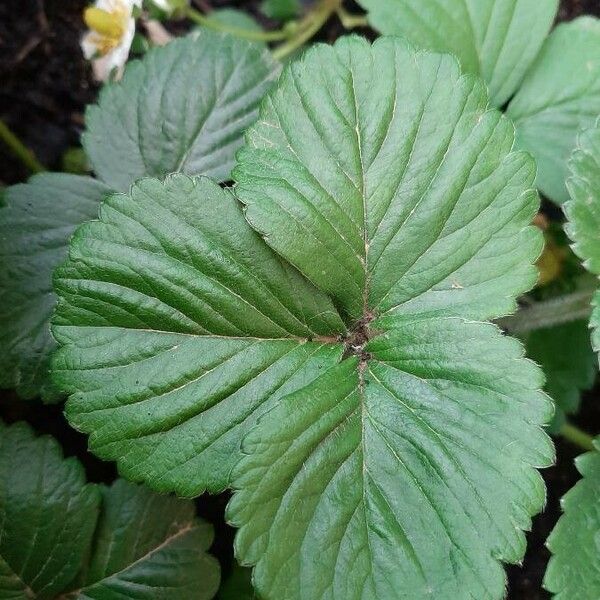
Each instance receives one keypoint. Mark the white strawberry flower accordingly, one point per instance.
(111, 26)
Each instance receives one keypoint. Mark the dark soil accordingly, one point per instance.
(45, 85)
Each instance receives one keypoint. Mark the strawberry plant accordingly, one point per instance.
(314, 289)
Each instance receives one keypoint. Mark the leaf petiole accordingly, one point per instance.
(576, 436)
(350, 20)
(549, 313)
(295, 33)
(24, 154)
(313, 21)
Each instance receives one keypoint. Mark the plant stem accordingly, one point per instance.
(577, 436)
(17, 147)
(248, 34)
(548, 313)
(314, 21)
(349, 20)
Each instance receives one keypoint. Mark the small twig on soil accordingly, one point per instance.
(24, 154)
(29, 46)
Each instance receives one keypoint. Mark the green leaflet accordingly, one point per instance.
(405, 480)
(566, 356)
(369, 166)
(559, 97)
(183, 108)
(389, 454)
(497, 39)
(574, 569)
(35, 225)
(63, 538)
(583, 211)
(181, 326)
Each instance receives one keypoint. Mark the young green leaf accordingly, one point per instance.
(497, 39)
(559, 97)
(583, 211)
(574, 569)
(184, 107)
(35, 225)
(62, 538)
(47, 515)
(398, 457)
(181, 326)
(566, 356)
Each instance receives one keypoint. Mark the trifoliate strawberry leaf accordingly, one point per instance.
(497, 39)
(148, 546)
(65, 539)
(566, 356)
(47, 515)
(184, 107)
(583, 211)
(395, 453)
(181, 326)
(35, 225)
(559, 97)
(574, 569)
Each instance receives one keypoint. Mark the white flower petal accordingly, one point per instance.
(88, 45)
(117, 57)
